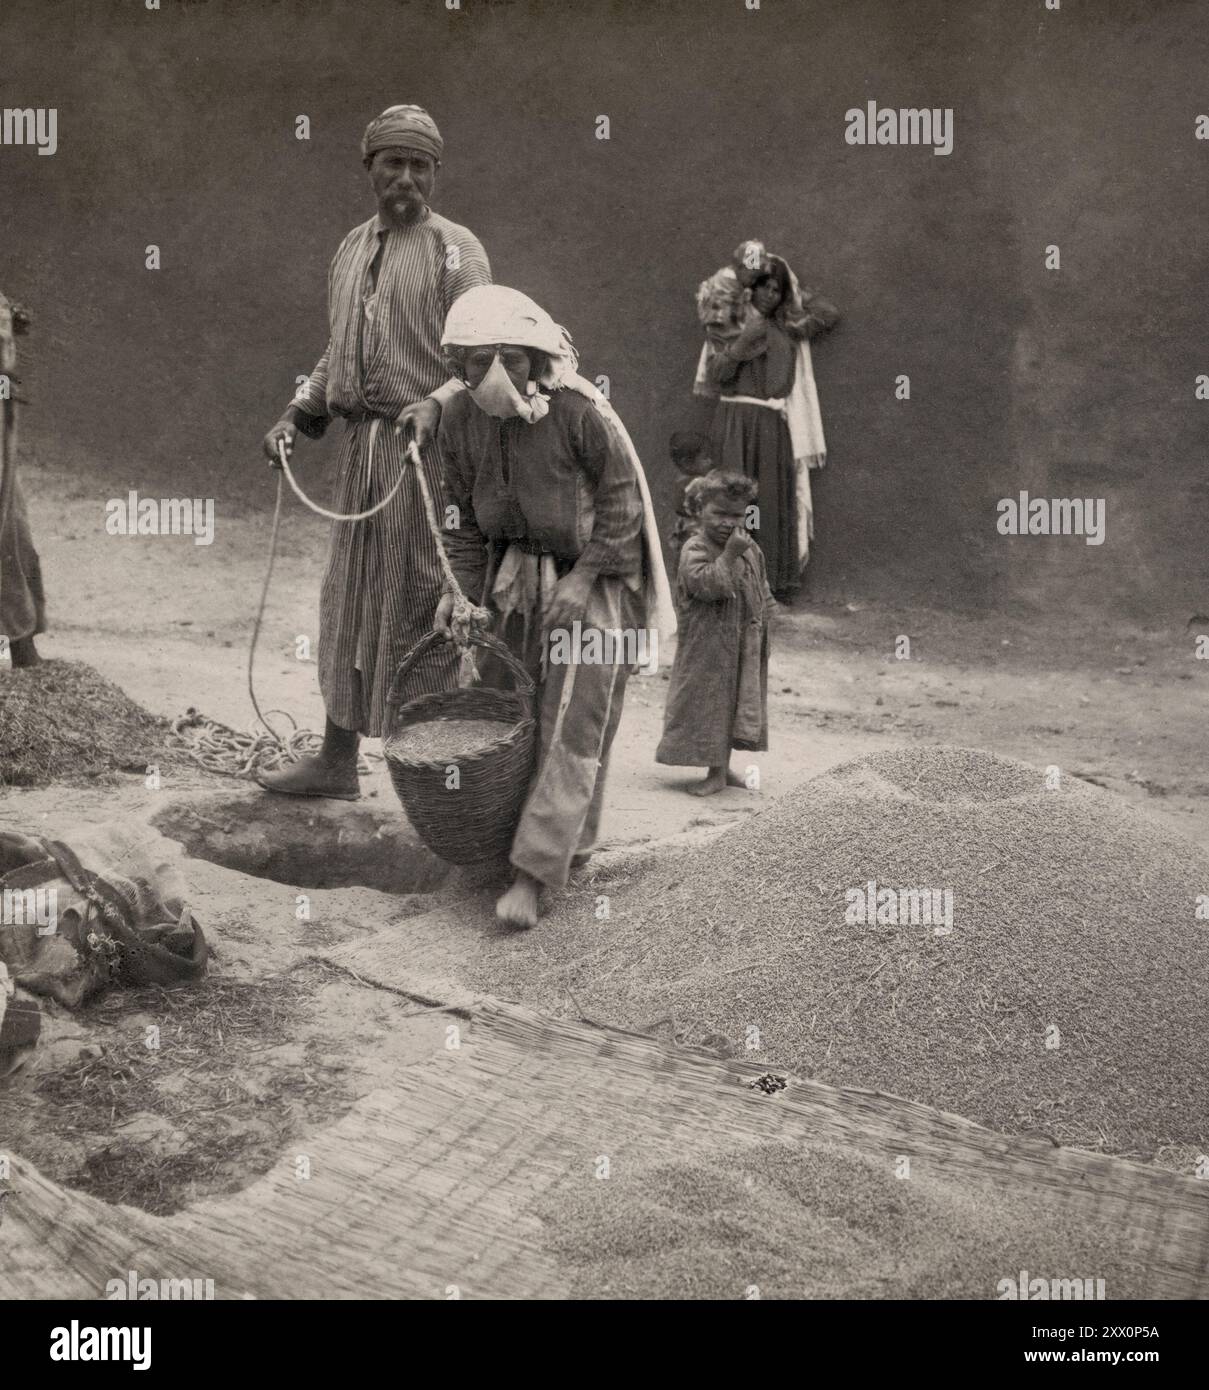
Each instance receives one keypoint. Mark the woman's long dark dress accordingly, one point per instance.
(754, 440)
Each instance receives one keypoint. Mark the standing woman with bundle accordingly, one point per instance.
(768, 424)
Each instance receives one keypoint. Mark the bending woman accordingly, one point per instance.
(554, 533)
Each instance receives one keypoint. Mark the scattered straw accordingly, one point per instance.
(202, 1112)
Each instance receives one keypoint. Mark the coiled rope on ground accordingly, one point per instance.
(218, 747)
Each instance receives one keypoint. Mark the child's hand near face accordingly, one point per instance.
(739, 542)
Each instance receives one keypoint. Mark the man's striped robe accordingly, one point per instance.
(383, 581)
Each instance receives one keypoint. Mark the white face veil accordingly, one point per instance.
(497, 395)
(490, 314)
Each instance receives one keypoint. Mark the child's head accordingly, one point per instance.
(690, 453)
(721, 499)
(748, 260)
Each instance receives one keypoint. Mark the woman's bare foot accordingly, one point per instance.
(518, 906)
(715, 781)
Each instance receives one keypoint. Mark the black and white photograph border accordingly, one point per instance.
(421, 419)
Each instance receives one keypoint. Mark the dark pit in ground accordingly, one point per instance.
(304, 843)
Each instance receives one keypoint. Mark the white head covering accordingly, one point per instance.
(489, 314)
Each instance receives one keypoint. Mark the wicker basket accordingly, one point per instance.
(476, 819)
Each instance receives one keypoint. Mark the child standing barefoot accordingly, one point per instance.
(718, 698)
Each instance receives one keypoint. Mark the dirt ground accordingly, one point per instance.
(169, 621)
(279, 1041)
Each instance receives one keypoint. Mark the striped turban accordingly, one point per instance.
(410, 127)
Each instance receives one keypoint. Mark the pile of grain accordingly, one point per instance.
(1073, 925)
(779, 1221)
(437, 739)
(61, 721)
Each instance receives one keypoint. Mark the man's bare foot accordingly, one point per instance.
(315, 775)
(715, 781)
(518, 906)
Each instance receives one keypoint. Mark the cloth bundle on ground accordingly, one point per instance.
(103, 906)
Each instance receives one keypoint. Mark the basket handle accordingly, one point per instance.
(523, 681)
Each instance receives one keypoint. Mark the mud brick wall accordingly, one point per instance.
(1072, 128)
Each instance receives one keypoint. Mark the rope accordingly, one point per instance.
(323, 511)
(464, 611)
(218, 747)
(459, 598)
(264, 595)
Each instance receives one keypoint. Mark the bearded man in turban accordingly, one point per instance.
(390, 285)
